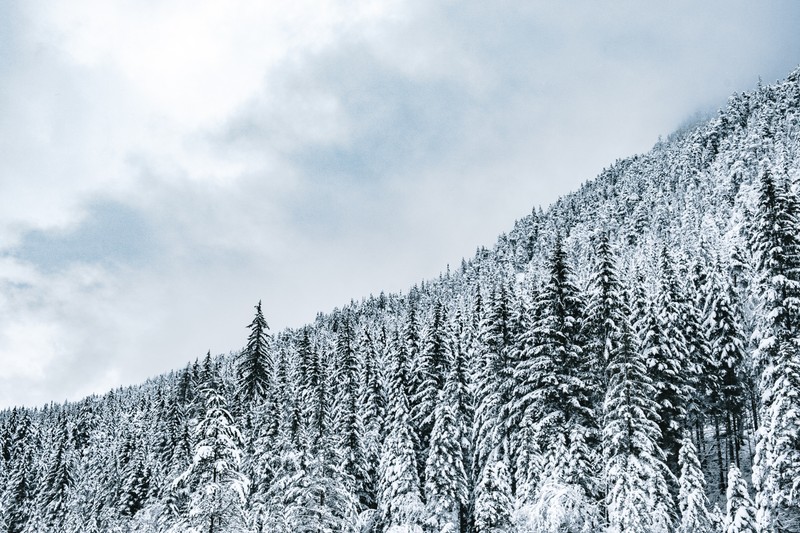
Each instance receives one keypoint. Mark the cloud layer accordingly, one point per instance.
(168, 164)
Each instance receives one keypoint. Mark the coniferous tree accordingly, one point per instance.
(554, 394)
(255, 366)
(692, 501)
(666, 353)
(445, 473)
(728, 361)
(429, 379)
(346, 421)
(493, 497)
(637, 495)
(776, 468)
(215, 486)
(741, 512)
(52, 499)
(400, 498)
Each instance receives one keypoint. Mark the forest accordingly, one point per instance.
(627, 360)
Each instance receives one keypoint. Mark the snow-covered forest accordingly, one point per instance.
(627, 360)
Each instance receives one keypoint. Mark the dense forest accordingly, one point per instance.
(627, 360)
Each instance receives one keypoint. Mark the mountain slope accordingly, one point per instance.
(492, 397)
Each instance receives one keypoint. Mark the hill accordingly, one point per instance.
(600, 368)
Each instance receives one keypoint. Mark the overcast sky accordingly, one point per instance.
(166, 164)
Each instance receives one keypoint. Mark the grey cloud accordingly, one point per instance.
(366, 165)
(111, 233)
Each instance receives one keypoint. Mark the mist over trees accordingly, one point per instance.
(626, 361)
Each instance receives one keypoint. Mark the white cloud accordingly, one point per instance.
(309, 152)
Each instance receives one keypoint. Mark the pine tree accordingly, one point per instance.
(445, 473)
(255, 366)
(493, 497)
(637, 499)
(215, 485)
(692, 501)
(776, 468)
(554, 394)
(741, 513)
(400, 499)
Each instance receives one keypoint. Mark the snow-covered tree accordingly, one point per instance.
(255, 366)
(215, 486)
(695, 516)
(400, 498)
(493, 504)
(776, 468)
(741, 512)
(445, 474)
(637, 494)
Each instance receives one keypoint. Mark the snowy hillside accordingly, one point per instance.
(626, 361)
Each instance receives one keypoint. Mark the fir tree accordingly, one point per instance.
(692, 501)
(741, 513)
(256, 364)
(637, 498)
(400, 499)
(445, 474)
(554, 394)
(216, 487)
(776, 468)
(493, 497)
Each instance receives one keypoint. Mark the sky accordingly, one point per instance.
(165, 165)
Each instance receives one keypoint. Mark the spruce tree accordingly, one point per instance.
(214, 484)
(554, 393)
(692, 502)
(255, 366)
(52, 499)
(493, 503)
(741, 513)
(445, 473)
(430, 368)
(637, 498)
(666, 353)
(400, 498)
(776, 468)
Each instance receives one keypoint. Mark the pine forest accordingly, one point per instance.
(624, 361)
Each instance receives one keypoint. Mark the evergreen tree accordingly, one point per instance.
(445, 474)
(666, 353)
(776, 468)
(554, 394)
(728, 361)
(603, 312)
(741, 512)
(255, 366)
(400, 499)
(430, 369)
(493, 497)
(637, 498)
(345, 418)
(53, 496)
(316, 500)
(692, 501)
(216, 487)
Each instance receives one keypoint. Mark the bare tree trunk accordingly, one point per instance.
(722, 484)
